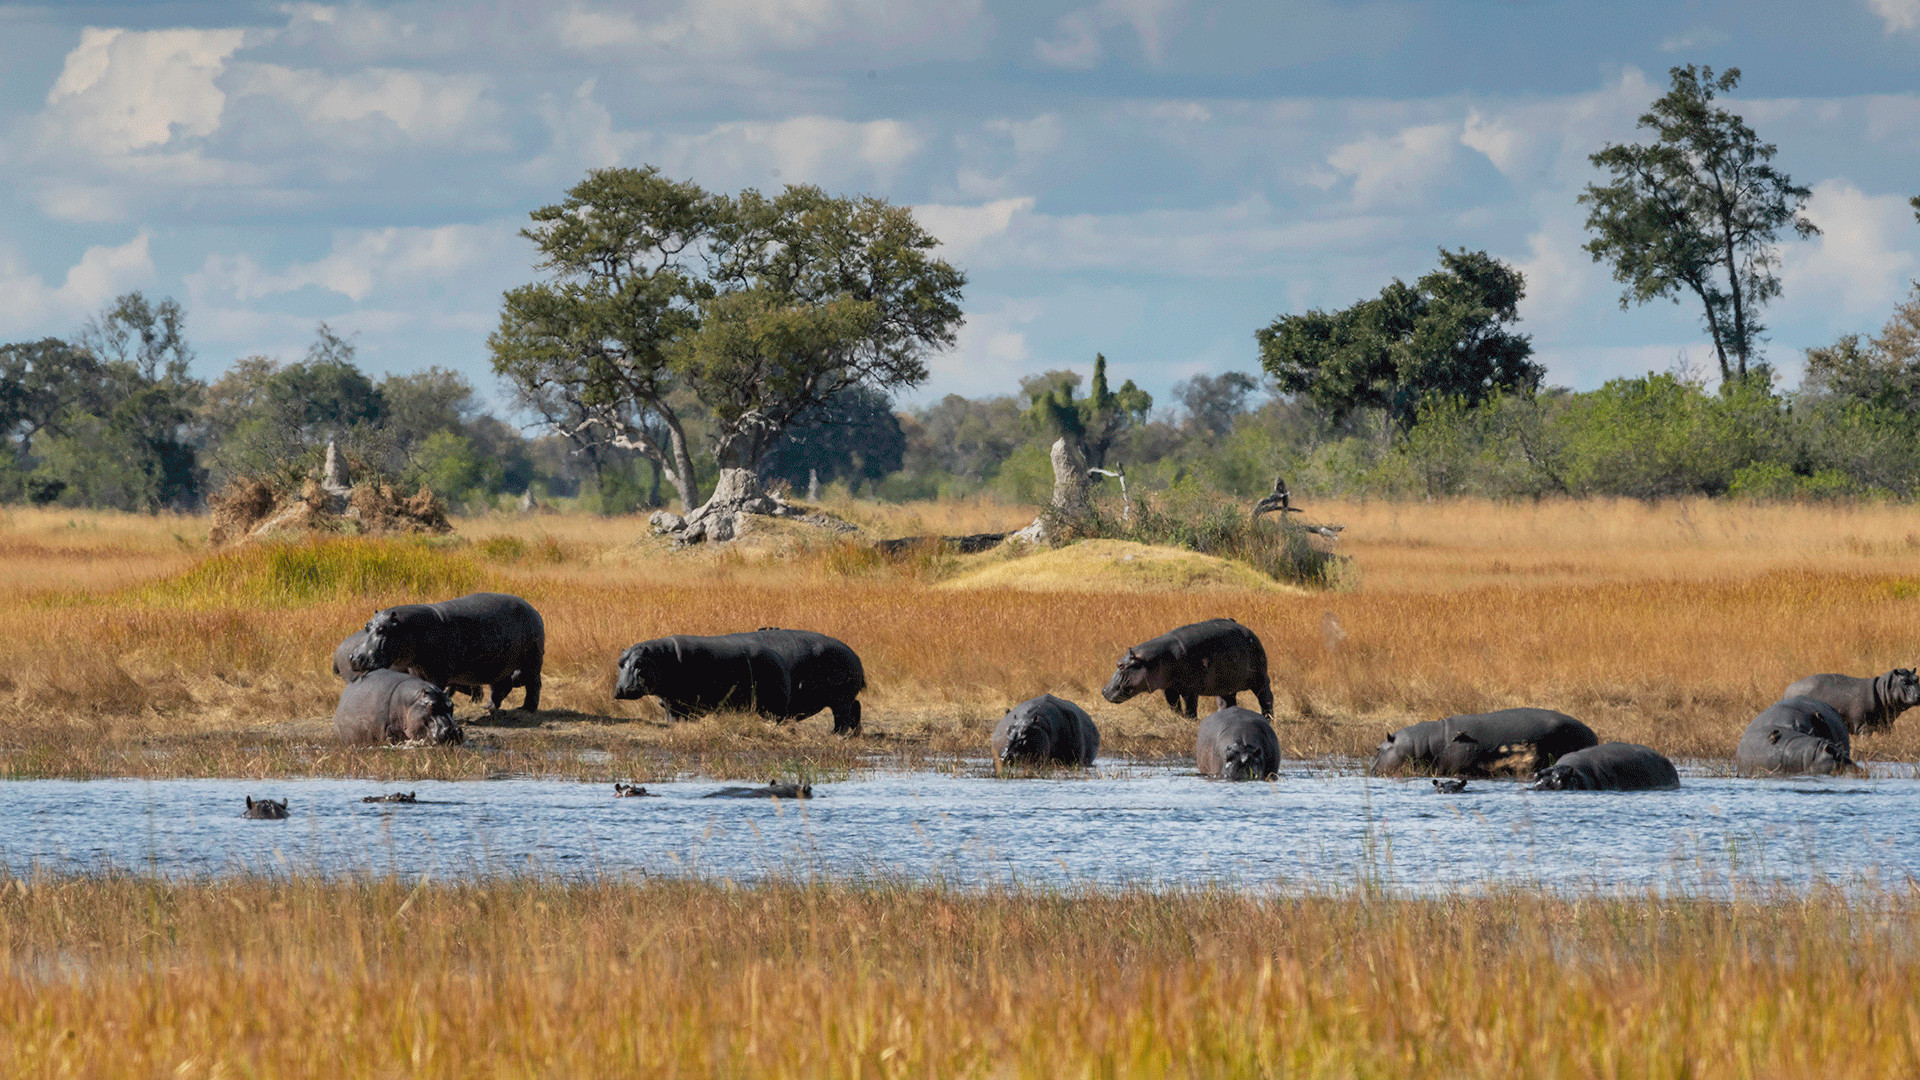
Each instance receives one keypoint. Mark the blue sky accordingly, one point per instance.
(1151, 179)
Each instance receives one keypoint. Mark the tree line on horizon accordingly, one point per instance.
(690, 345)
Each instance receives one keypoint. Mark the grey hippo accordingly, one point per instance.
(483, 639)
(343, 664)
(1794, 735)
(1046, 730)
(1864, 705)
(773, 790)
(265, 809)
(389, 706)
(1614, 766)
(785, 674)
(1520, 742)
(1237, 744)
(1218, 657)
(396, 797)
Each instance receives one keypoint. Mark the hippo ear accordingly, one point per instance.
(1390, 736)
(1466, 738)
(1773, 736)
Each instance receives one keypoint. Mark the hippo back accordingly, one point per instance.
(1523, 740)
(1416, 746)
(1046, 728)
(1236, 744)
(343, 656)
(788, 674)
(1864, 704)
(387, 706)
(1614, 766)
(1794, 735)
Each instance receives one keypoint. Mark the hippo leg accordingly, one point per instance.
(846, 717)
(1173, 700)
(1190, 706)
(1264, 694)
(1228, 701)
(531, 702)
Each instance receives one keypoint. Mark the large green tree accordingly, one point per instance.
(1443, 336)
(129, 442)
(1699, 211)
(763, 308)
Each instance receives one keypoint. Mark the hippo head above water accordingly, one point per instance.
(1131, 677)
(1244, 761)
(265, 809)
(1028, 740)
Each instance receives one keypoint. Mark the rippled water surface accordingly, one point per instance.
(1156, 827)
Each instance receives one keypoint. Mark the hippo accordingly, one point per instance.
(1518, 741)
(396, 797)
(343, 665)
(388, 706)
(785, 674)
(773, 790)
(1864, 705)
(631, 791)
(265, 809)
(1237, 744)
(1794, 735)
(1045, 730)
(1217, 657)
(1614, 766)
(483, 639)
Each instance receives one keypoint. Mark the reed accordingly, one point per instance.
(131, 651)
(112, 976)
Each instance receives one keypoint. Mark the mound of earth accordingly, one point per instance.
(1118, 566)
(250, 509)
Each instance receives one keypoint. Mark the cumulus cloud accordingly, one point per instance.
(1079, 36)
(1850, 267)
(125, 90)
(1897, 14)
(737, 27)
(27, 302)
(420, 106)
(1397, 168)
(803, 149)
(368, 263)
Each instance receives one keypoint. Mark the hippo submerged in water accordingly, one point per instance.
(1237, 744)
(1794, 735)
(1518, 741)
(1864, 705)
(1614, 766)
(1218, 657)
(388, 706)
(265, 809)
(1046, 730)
(785, 674)
(773, 790)
(483, 639)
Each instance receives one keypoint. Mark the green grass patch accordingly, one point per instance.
(277, 574)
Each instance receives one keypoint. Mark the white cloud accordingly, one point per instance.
(421, 106)
(963, 228)
(28, 302)
(1398, 168)
(1850, 266)
(1078, 41)
(1897, 14)
(804, 149)
(369, 263)
(992, 351)
(126, 90)
(735, 27)
(1700, 37)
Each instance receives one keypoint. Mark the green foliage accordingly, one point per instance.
(1698, 210)
(285, 574)
(1442, 337)
(1202, 520)
(1092, 423)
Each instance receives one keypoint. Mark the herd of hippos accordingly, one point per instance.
(401, 669)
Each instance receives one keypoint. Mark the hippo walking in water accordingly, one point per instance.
(389, 706)
(1614, 766)
(483, 639)
(785, 674)
(1046, 730)
(774, 790)
(265, 809)
(1218, 657)
(1864, 705)
(1794, 735)
(1518, 741)
(1237, 744)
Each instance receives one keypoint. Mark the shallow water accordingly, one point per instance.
(1150, 826)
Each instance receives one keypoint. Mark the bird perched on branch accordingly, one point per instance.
(1280, 500)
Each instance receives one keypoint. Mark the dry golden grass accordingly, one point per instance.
(112, 977)
(133, 651)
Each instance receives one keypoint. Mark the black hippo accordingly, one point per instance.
(483, 639)
(265, 809)
(773, 790)
(1517, 741)
(396, 797)
(631, 791)
(1046, 729)
(1237, 744)
(786, 674)
(389, 706)
(1614, 766)
(343, 665)
(1864, 705)
(1794, 735)
(1217, 657)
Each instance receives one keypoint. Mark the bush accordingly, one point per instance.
(1211, 524)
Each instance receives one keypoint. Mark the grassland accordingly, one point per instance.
(133, 650)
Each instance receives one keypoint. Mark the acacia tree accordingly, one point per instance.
(1698, 210)
(1444, 336)
(764, 308)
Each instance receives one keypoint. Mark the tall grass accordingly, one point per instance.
(278, 574)
(128, 976)
(1275, 545)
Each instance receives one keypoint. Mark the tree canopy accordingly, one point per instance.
(1444, 336)
(1091, 423)
(1697, 210)
(764, 309)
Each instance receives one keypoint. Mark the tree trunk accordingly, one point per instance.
(1069, 491)
(738, 492)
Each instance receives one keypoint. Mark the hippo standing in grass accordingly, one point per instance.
(1218, 657)
(1237, 744)
(1516, 741)
(1794, 735)
(1046, 730)
(343, 665)
(785, 674)
(1614, 766)
(1864, 705)
(389, 706)
(484, 639)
